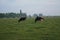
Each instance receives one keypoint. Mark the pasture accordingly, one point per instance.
(49, 29)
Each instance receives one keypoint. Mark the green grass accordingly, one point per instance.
(49, 29)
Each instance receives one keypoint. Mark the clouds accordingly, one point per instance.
(31, 6)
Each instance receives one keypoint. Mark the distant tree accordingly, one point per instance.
(35, 15)
(2, 15)
(29, 16)
(7, 15)
(22, 14)
(18, 15)
(10, 15)
(13, 15)
(40, 14)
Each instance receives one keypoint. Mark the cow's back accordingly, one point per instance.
(21, 19)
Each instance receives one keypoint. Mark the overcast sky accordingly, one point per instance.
(47, 7)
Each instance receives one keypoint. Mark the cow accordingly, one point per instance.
(38, 19)
(22, 19)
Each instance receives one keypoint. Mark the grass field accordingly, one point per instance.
(49, 29)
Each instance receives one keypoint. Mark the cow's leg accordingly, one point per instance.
(19, 20)
(35, 20)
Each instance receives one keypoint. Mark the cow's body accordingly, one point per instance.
(38, 19)
(22, 19)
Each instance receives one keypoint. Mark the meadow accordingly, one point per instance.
(49, 29)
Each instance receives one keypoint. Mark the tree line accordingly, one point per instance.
(9, 15)
(17, 15)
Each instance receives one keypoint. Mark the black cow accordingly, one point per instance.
(22, 19)
(38, 19)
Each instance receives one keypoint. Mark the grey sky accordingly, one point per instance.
(47, 7)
